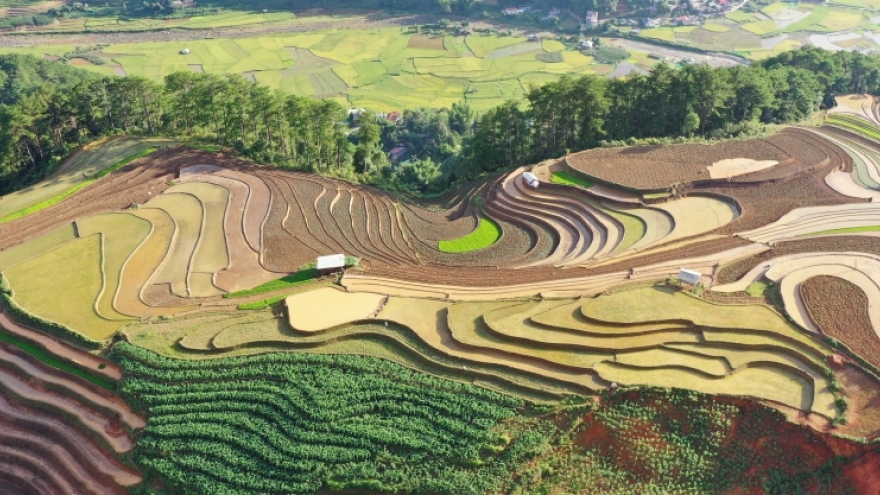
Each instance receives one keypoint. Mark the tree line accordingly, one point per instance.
(574, 114)
(47, 120)
(47, 109)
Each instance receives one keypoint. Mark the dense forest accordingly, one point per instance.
(47, 109)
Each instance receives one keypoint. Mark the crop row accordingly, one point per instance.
(296, 422)
(62, 429)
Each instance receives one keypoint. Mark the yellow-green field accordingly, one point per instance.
(752, 34)
(75, 272)
(381, 69)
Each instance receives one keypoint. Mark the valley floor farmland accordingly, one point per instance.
(381, 69)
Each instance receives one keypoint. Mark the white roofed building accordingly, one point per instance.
(530, 180)
(330, 263)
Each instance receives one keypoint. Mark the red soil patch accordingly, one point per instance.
(757, 439)
(840, 309)
(864, 473)
(99, 367)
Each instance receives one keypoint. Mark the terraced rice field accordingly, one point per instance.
(572, 292)
(562, 341)
(75, 270)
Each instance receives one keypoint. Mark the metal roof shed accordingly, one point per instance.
(531, 180)
(330, 262)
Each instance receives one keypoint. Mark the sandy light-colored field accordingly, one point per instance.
(328, 307)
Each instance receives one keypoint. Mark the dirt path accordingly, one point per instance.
(713, 59)
(369, 21)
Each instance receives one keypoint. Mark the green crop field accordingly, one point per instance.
(570, 179)
(487, 233)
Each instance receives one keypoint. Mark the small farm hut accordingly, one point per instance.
(330, 263)
(689, 277)
(530, 180)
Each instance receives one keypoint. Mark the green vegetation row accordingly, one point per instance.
(487, 233)
(265, 303)
(568, 179)
(19, 314)
(50, 360)
(238, 424)
(854, 124)
(297, 423)
(299, 278)
(73, 190)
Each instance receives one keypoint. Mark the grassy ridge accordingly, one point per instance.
(847, 230)
(73, 190)
(47, 203)
(299, 278)
(265, 303)
(117, 166)
(568, 179)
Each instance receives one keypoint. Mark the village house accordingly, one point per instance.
(397, 154)
(592, 19)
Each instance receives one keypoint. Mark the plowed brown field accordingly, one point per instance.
(795, 151)
(840, 309)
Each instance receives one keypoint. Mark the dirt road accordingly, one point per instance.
(301, 24)
(713, 59)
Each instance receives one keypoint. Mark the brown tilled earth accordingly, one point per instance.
(840, 309)
(795, 150)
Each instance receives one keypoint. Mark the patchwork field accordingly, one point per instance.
(777, 28)
(381, 69)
